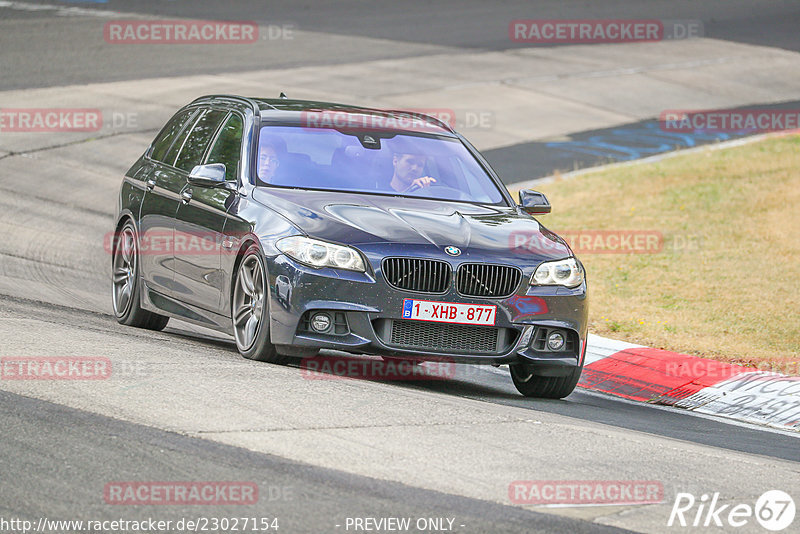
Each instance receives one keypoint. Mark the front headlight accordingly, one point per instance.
(320, 253)
(567, 272)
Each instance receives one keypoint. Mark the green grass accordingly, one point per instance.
(727, 283)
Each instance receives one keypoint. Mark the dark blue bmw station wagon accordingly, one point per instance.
(297, 226)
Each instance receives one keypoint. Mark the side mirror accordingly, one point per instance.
(533, 202)
(211, 175)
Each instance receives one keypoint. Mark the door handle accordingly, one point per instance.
(186, 196)
(150, 184)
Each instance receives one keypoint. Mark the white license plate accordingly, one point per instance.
(449, 312)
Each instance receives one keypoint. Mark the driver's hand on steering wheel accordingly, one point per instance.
(419, 183)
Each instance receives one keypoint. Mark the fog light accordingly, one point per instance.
(321, 322)
(555, 341)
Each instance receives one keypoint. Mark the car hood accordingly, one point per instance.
(371, 221)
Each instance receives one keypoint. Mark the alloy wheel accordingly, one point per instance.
(248, 301)
(124, 270)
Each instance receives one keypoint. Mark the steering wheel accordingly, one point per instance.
(455, 193)
(413, 187)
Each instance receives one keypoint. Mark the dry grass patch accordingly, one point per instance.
(735, 296)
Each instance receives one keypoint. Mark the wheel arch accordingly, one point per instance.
(247, 242)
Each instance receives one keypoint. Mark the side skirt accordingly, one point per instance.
(158, 303)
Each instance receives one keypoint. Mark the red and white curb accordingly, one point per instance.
(705, 386)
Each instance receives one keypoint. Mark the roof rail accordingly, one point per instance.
(235, 98)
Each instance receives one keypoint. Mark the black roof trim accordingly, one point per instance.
(231, 98)
(257, 105)
(423, 116)
(315, 105)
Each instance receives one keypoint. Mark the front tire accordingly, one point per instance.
(125, 284)
(546, 387)
(250, 310)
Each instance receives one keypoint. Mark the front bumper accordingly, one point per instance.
(370, 307)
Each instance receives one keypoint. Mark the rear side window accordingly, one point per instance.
(169, 159)
(168, 133)
(195, 146)
(227, 148)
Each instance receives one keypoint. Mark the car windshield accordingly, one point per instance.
(393, 163)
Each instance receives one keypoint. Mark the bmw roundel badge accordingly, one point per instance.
(453, 251)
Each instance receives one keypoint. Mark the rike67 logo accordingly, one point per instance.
(774, 510)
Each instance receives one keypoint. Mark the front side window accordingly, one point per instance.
(227, 148)
(395, 163)
(195, 145)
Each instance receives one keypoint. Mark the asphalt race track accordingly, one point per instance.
(182, 405)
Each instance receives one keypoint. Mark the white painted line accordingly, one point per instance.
(758, 400)
(758, 397)
(751, 424)
(692, 413)
(602, 347)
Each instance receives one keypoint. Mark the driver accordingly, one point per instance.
(270, 150)
(408, 170)
(268, 163)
